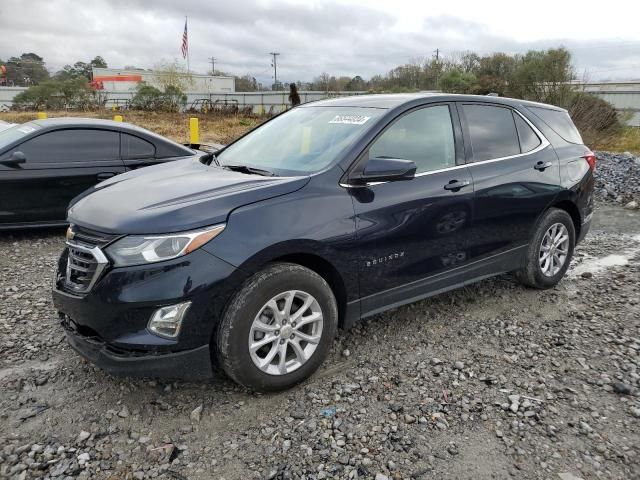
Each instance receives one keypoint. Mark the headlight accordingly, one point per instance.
(141, 249)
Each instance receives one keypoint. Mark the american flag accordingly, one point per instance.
(185, 41)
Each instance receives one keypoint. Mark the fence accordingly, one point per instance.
(257, 102)
(624, 96)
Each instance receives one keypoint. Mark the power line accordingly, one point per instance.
(213, 65)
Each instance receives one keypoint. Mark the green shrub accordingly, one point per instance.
(72, 94)
(150, 98)
(594, 117)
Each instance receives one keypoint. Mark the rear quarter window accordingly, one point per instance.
(560, 122)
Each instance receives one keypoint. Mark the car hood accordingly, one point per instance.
(173, 197)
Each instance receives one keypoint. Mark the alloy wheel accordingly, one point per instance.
(554, 249)
(286, 332)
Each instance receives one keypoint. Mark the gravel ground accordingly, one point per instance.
(618, 178)
(490, 381)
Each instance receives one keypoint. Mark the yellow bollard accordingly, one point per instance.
(117, 118)
(42, 115)
(194, 131)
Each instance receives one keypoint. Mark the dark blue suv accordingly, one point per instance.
(326, 214)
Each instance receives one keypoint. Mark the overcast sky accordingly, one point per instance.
(359, 37)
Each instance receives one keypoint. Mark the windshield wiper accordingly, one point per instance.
(249, 170)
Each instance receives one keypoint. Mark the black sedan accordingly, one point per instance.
(46, 163)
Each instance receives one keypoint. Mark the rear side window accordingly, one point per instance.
(528, 138)
(560, 122)
(493, 132)
(136, 147)
(77, 145)
(424, 136)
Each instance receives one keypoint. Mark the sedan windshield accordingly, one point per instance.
(301, 141)
(15, 132)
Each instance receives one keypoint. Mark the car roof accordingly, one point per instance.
(84, 122)
(388, 101)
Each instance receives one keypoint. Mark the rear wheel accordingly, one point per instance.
(550, 250)
(278, 328)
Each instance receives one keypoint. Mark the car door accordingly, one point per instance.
(136, 152)
(516, 176)
(59, 165)
(410, 233)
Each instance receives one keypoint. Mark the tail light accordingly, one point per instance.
(590, 157)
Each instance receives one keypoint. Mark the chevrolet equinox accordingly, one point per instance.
(251, 259)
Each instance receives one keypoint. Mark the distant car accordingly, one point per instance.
(46, 163)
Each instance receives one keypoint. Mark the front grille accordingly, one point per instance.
(85, 260)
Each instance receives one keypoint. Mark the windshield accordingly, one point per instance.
(301, 141)
(16, 132)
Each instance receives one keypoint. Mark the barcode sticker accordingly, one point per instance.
(350, 119)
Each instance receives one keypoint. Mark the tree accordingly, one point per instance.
(544, 76)
(172, 74)
(457, 81)
(356, 84)
(80, 69)
(26, 70)
(246, 83)
(71, 94)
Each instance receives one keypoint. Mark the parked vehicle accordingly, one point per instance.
(326, 214)
(45, 163)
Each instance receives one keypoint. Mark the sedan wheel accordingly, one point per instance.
(286, 332)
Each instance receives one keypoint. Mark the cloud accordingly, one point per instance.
(312, 37)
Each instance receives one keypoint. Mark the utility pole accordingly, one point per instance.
(213, 65)
(437, 66)
(275, 67)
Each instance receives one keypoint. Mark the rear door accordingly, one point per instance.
(516, 176)
(411, 233)
(59, 165)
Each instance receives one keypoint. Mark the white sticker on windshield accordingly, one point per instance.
(350, 119)
(26, 129)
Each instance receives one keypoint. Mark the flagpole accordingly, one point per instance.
(186, 19)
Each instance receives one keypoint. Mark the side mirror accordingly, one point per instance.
(386, 170)
(16, 158)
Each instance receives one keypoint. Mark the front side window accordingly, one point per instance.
(301, 141)
(492, 131)
(77, 145)
(424, 136)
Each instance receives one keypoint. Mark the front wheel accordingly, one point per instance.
(278, 328)
(550, 250)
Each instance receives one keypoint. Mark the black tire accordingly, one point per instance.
(531, 275)
(231, 341)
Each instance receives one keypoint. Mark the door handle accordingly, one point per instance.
(105, 175)
(540, 166)
(456, 185)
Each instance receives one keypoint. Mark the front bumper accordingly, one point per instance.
(108, 325)
(192, 364)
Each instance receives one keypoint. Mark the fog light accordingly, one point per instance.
(166, 321)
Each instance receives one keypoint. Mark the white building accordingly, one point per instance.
(120, 80)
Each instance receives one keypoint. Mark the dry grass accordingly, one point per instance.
(627, 140)
(214, 128)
